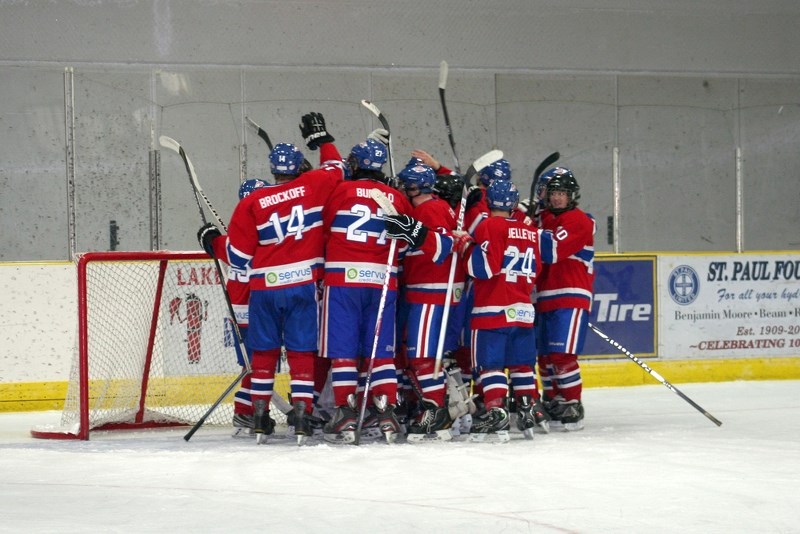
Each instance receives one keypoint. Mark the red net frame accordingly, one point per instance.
(133, 367)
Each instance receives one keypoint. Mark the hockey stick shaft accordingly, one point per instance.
(653, 373)
(481, 162)
(378, 324)
(385, 123)
(199, 423)
(443, 69)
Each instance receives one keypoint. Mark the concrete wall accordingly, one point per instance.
(675, 87)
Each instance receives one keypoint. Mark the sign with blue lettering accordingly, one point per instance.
(624, 306)
(728, 305)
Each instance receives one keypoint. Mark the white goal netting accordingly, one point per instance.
(155, 344)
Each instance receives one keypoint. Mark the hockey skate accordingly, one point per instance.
(370, 430)
(433, 424)
(572, 416)
(302, 423)
(490, 427)
(342, 427)
(316, 423)
(566, 415)
(387, 421)
(242, 425)
(530, 414)
(264, 425)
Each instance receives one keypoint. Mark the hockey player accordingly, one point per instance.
(425, 276)
(564, 297)
(503, 257)
(477, 210)
(356, 256)
(276, 234)
(216, 245)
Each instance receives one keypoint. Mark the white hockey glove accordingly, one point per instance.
(379, 134)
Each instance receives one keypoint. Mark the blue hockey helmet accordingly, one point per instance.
(285, 159)
(369, 155)
(502, 195)
(499, 170)
(418, 175)
(248, 186)
(414, 161)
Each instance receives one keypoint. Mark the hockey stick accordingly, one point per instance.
(546, 162)
(172, 144)
(387, 208)
(385, 123)
(653, 373)
(199, 423)
(442, 83)
(261, 132)
(478, 164)
(265, 136)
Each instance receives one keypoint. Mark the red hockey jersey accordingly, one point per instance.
(357, 249)
(567, 278)
(426, 270)
(277, 231)
(504, 261)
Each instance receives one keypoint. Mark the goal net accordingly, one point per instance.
(155, 346)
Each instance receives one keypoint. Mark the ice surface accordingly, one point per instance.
(646, 462)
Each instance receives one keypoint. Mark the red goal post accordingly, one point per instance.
(155, 345)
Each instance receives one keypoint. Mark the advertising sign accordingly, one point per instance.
(715, 306)
(624, 306)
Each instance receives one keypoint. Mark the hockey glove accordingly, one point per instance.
(475, 196)
(312, 128)
(381, 135)
(206, 236)
(461, 241)
(406, 228)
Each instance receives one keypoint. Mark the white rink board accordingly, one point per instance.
(734, 305)
(38, 321)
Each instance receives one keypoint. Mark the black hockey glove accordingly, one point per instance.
(206, 235)
(312, 128)
(474, 197)
(406, 228)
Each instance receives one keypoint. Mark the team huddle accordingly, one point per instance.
(428, 310)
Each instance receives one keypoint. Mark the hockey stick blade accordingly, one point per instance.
(443, 75)
(383, 201)
(653, 373)
(385, 123)
(487, 159)
(261, 132)
(546, 162)
(172, 144)
(377, 112)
